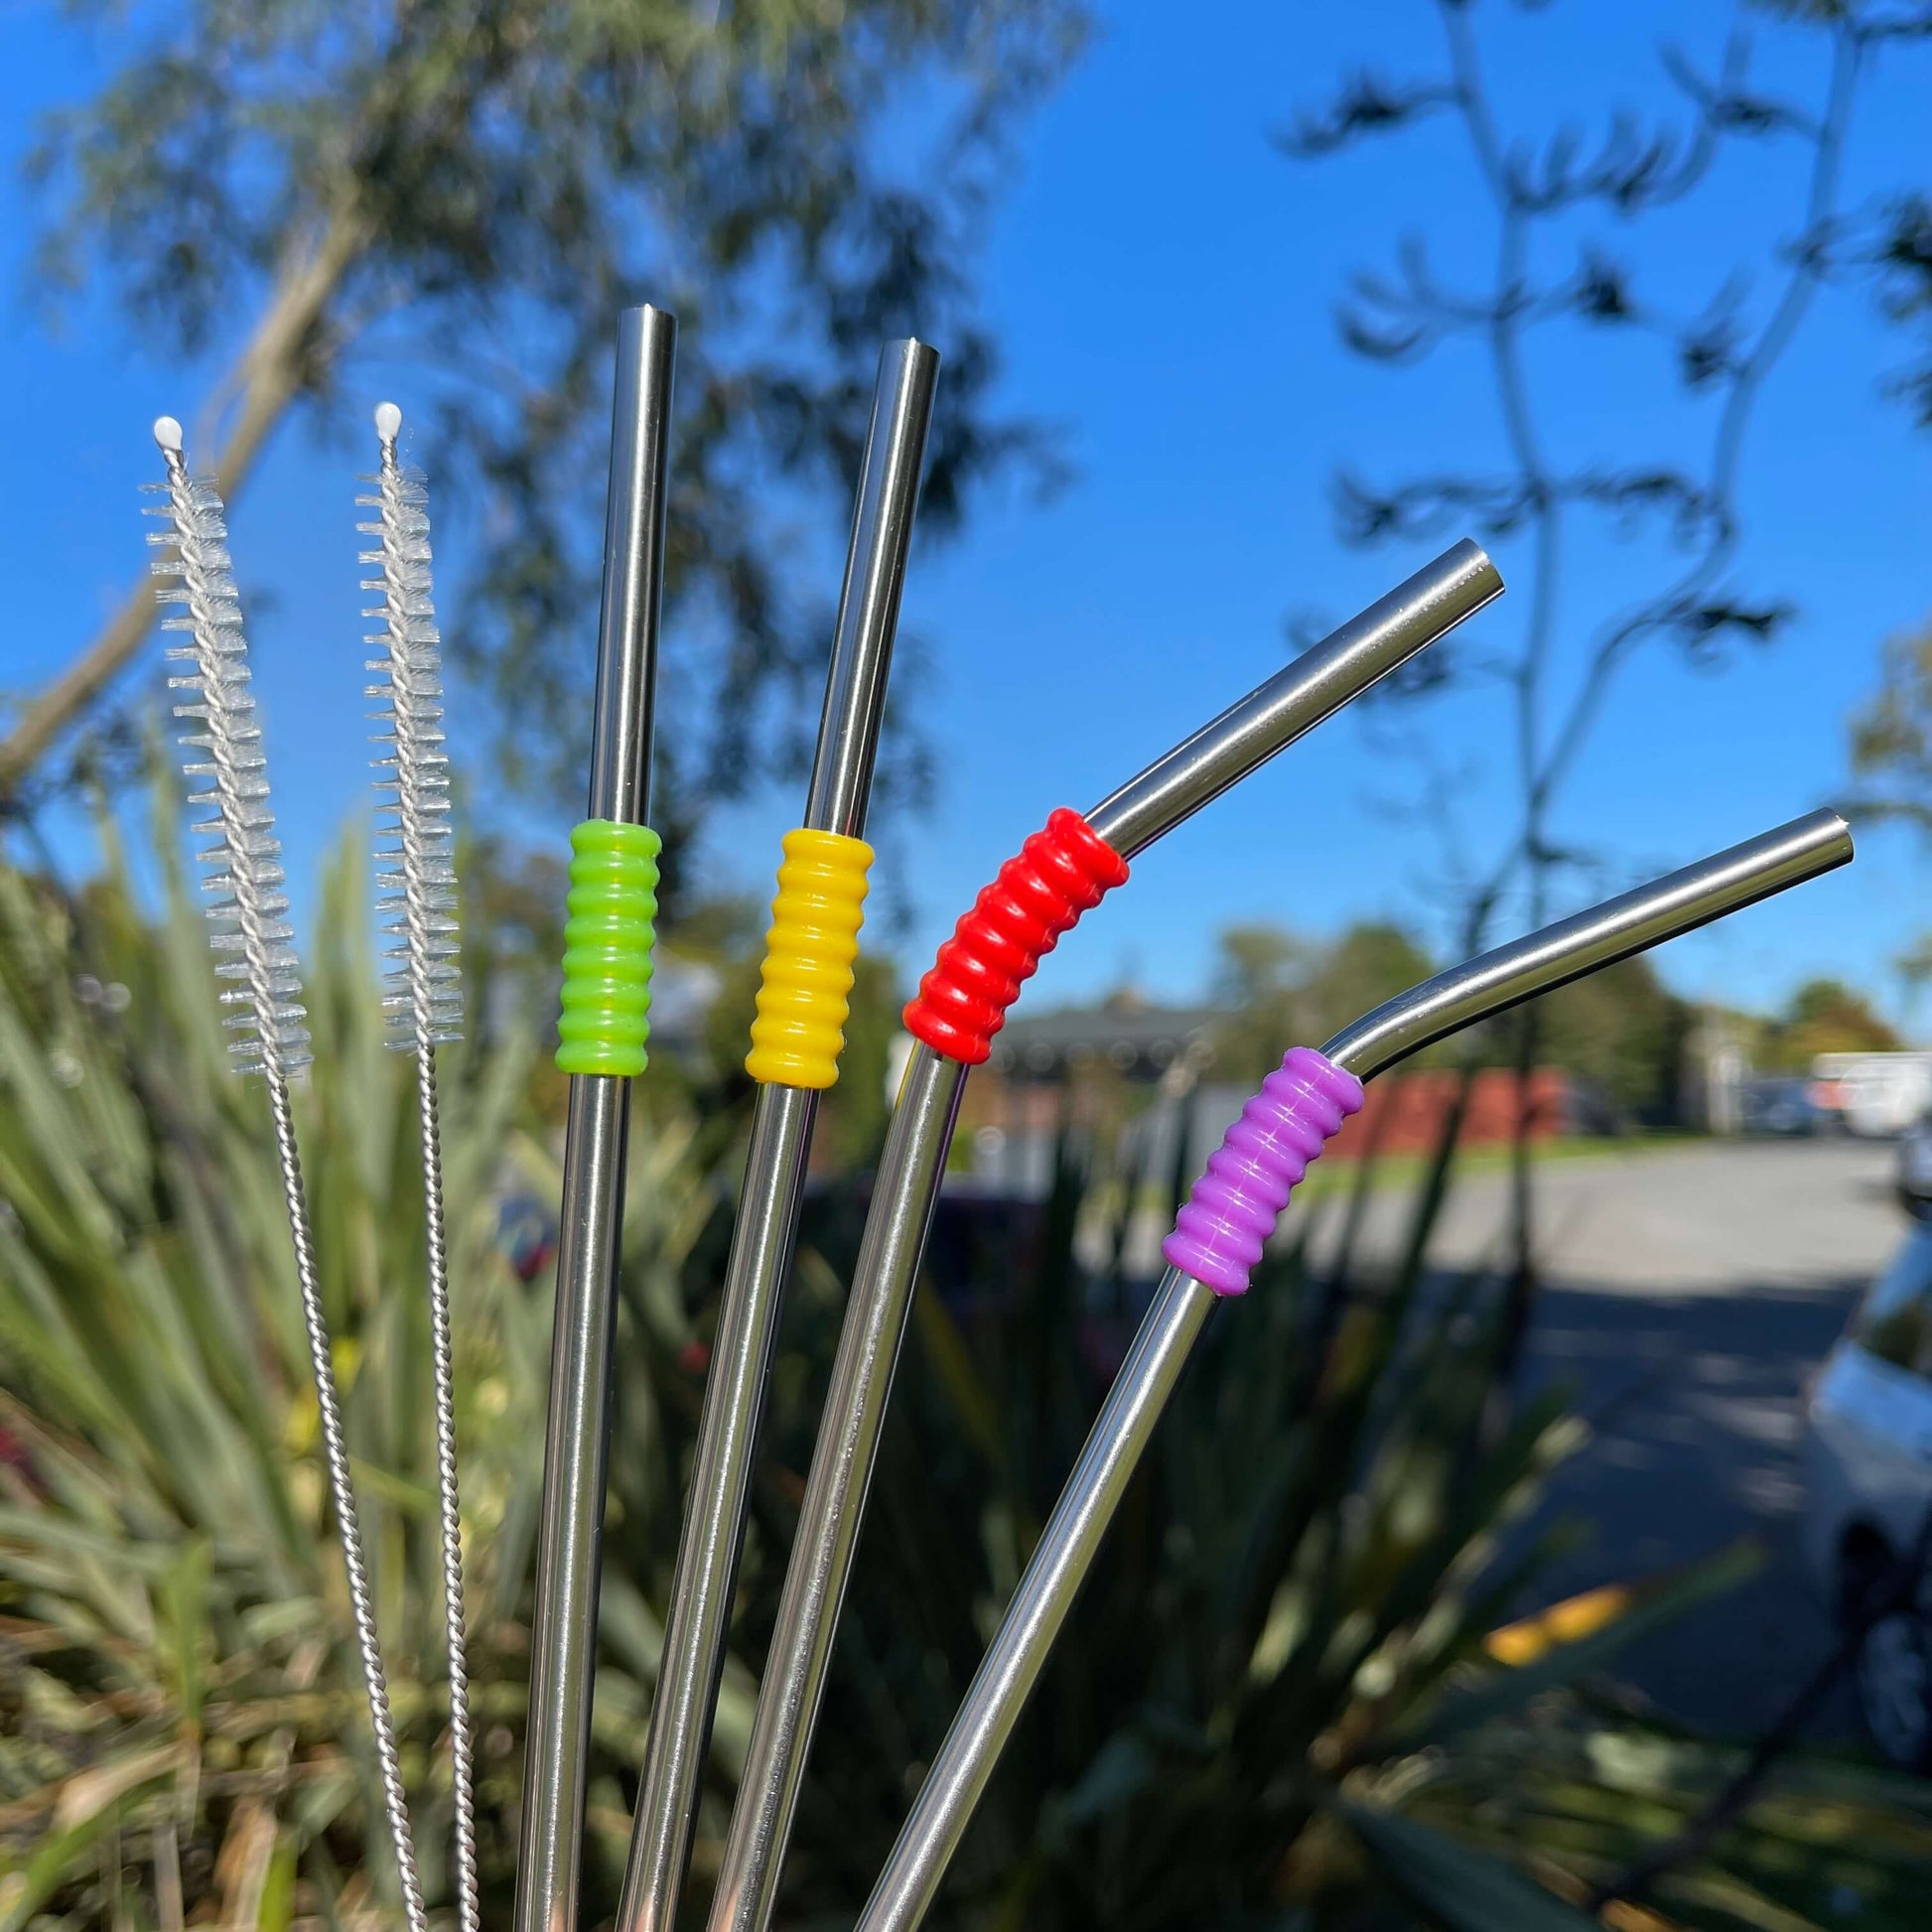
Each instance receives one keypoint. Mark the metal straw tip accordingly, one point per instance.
(1465, 553)
(1632, 922)
(1835, 827)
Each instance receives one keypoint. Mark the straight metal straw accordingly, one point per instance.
(1459, 998)
(1298, 698)
(774, 1173)
(570, 1528)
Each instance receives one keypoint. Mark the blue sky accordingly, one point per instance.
(1160, 280)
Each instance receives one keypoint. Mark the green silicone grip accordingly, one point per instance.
(606, 947)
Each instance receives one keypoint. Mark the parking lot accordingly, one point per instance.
(1689, 1293)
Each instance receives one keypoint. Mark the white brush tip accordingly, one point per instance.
(388, 420)
(167, 432)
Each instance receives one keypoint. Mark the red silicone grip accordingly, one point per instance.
(1060, 872)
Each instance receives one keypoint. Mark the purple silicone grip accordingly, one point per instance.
(1219, 1236)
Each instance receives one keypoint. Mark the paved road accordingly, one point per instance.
(1722, 1218)
(1689, 1294)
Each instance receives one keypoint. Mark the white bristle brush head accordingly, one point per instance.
(248, 906)
(423, 985)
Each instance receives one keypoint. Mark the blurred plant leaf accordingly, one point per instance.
(1306, 1567)
(1465, 1890)
(1509, 1689)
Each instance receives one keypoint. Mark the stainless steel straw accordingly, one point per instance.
(1289, 1133)
(416, 876)
(248, 909)
(564, 1641)
(1060, 872)
(797, 1040)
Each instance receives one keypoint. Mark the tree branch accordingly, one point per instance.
(1694, 588)
(267, 375)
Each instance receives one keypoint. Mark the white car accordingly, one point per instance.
(1869, 1458)
(1877, 1094)
(1915, 1171)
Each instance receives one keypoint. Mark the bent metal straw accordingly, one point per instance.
(606, 1003)
(1218, 1239)
(1060, 872)
(795, 1043)
(251, 938)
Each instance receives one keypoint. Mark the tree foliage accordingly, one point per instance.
(1624, 1032)
(1903, 257)
(1891, 736)
(1621, 1029)
(1275, 989)
(1891, 759)
(1572, 203)
(1824, 1016)
(470, 190)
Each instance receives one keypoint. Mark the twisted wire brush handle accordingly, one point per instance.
(1218, 1239)
(252, 940)
(416, 876)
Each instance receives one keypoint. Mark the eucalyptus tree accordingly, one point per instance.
(295, 190)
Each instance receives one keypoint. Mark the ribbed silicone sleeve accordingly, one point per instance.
(1059, 872)
(608, 940)
(799, 1031)
(1219, 1236)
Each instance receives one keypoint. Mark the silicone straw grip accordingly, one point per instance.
(607, 939)
(799, 1032)
(1059, 872)
(1219, 1236)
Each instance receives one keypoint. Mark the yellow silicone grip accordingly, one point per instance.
(808, 953)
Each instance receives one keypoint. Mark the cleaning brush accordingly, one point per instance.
(262, 992)
(416, 877)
